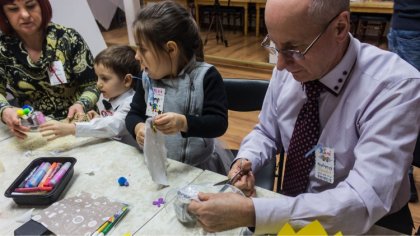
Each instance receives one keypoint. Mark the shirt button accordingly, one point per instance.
(336, 88)
(345, 72)
(340, 80)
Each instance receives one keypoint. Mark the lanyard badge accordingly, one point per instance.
(56, 73)
(324, 164)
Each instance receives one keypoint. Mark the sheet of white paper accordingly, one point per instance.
(155, 154)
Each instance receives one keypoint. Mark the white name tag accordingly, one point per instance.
(56, 73)
(324, 164)
(155, 104)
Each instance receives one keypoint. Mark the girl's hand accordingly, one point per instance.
(55, 129)
(140, 131)
(92, 114)
(171, 123)
(10, 117)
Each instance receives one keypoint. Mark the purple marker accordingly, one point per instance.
(39, 174)
(59, 175)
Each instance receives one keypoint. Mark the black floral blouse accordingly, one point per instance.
(29, 82)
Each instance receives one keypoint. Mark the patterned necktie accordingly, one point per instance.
(305, 136)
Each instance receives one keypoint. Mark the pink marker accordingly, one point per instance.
(59, 175)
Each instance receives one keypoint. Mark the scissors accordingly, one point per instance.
(229, 181)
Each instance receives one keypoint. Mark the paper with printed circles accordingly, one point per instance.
(82, 214)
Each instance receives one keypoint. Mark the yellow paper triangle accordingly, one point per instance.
(287, 230)
(314, 228)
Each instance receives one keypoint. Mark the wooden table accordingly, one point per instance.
(233, 3)
(374, 7)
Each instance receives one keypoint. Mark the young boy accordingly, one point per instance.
(115, 67)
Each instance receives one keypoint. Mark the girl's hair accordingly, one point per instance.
(46, 12)
(158, 23)
(120, 59)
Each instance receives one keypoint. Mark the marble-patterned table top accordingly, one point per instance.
(173, 226)
(4, 132)
(165, 222)
(100, 162)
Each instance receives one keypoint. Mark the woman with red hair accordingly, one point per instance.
(43, 64)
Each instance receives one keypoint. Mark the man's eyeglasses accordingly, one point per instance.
(290, 53)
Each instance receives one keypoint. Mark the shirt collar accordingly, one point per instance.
(116, 102)
(335, 79)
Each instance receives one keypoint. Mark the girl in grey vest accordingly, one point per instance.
(185, 96)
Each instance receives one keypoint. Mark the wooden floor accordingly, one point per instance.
(244, 58)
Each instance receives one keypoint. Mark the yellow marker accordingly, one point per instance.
(98, 231)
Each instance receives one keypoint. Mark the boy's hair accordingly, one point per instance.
(120, 59)
(46, 12)
(166, 21)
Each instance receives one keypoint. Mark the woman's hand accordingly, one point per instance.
(56, 129)
(171, 123)
(76, 108)
(140, 131)
(10, 117)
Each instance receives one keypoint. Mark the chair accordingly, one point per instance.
(248, 95)
(375, 24)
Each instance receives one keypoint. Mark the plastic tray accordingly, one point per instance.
(44, 199)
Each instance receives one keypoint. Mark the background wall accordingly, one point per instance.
(77, 14)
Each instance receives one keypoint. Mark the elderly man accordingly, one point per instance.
(347, 114)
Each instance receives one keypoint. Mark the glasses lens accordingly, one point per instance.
(297, 56)
(292, 54)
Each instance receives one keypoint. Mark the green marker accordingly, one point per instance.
(116, 220)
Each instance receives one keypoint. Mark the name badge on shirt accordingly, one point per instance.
(56, 73)
(155, 103)
(324, 164)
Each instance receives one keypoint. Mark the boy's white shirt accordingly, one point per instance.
(111, 126)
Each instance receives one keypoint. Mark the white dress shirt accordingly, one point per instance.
(111, 123)
(370, 115)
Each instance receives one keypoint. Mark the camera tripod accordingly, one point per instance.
(216, 20)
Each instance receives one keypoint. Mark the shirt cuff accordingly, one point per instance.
(270, 214)
(81, 130)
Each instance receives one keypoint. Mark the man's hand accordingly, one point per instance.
(171, 123)
(246, 179)
(55, 129)
(75, 109)
(140, 131)
(223, 211)
(10, 117)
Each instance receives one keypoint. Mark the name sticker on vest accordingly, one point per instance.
(56, 73)
(155, 104)
(324, 164)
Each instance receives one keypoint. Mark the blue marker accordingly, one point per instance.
(22, 185)
(39, 174)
